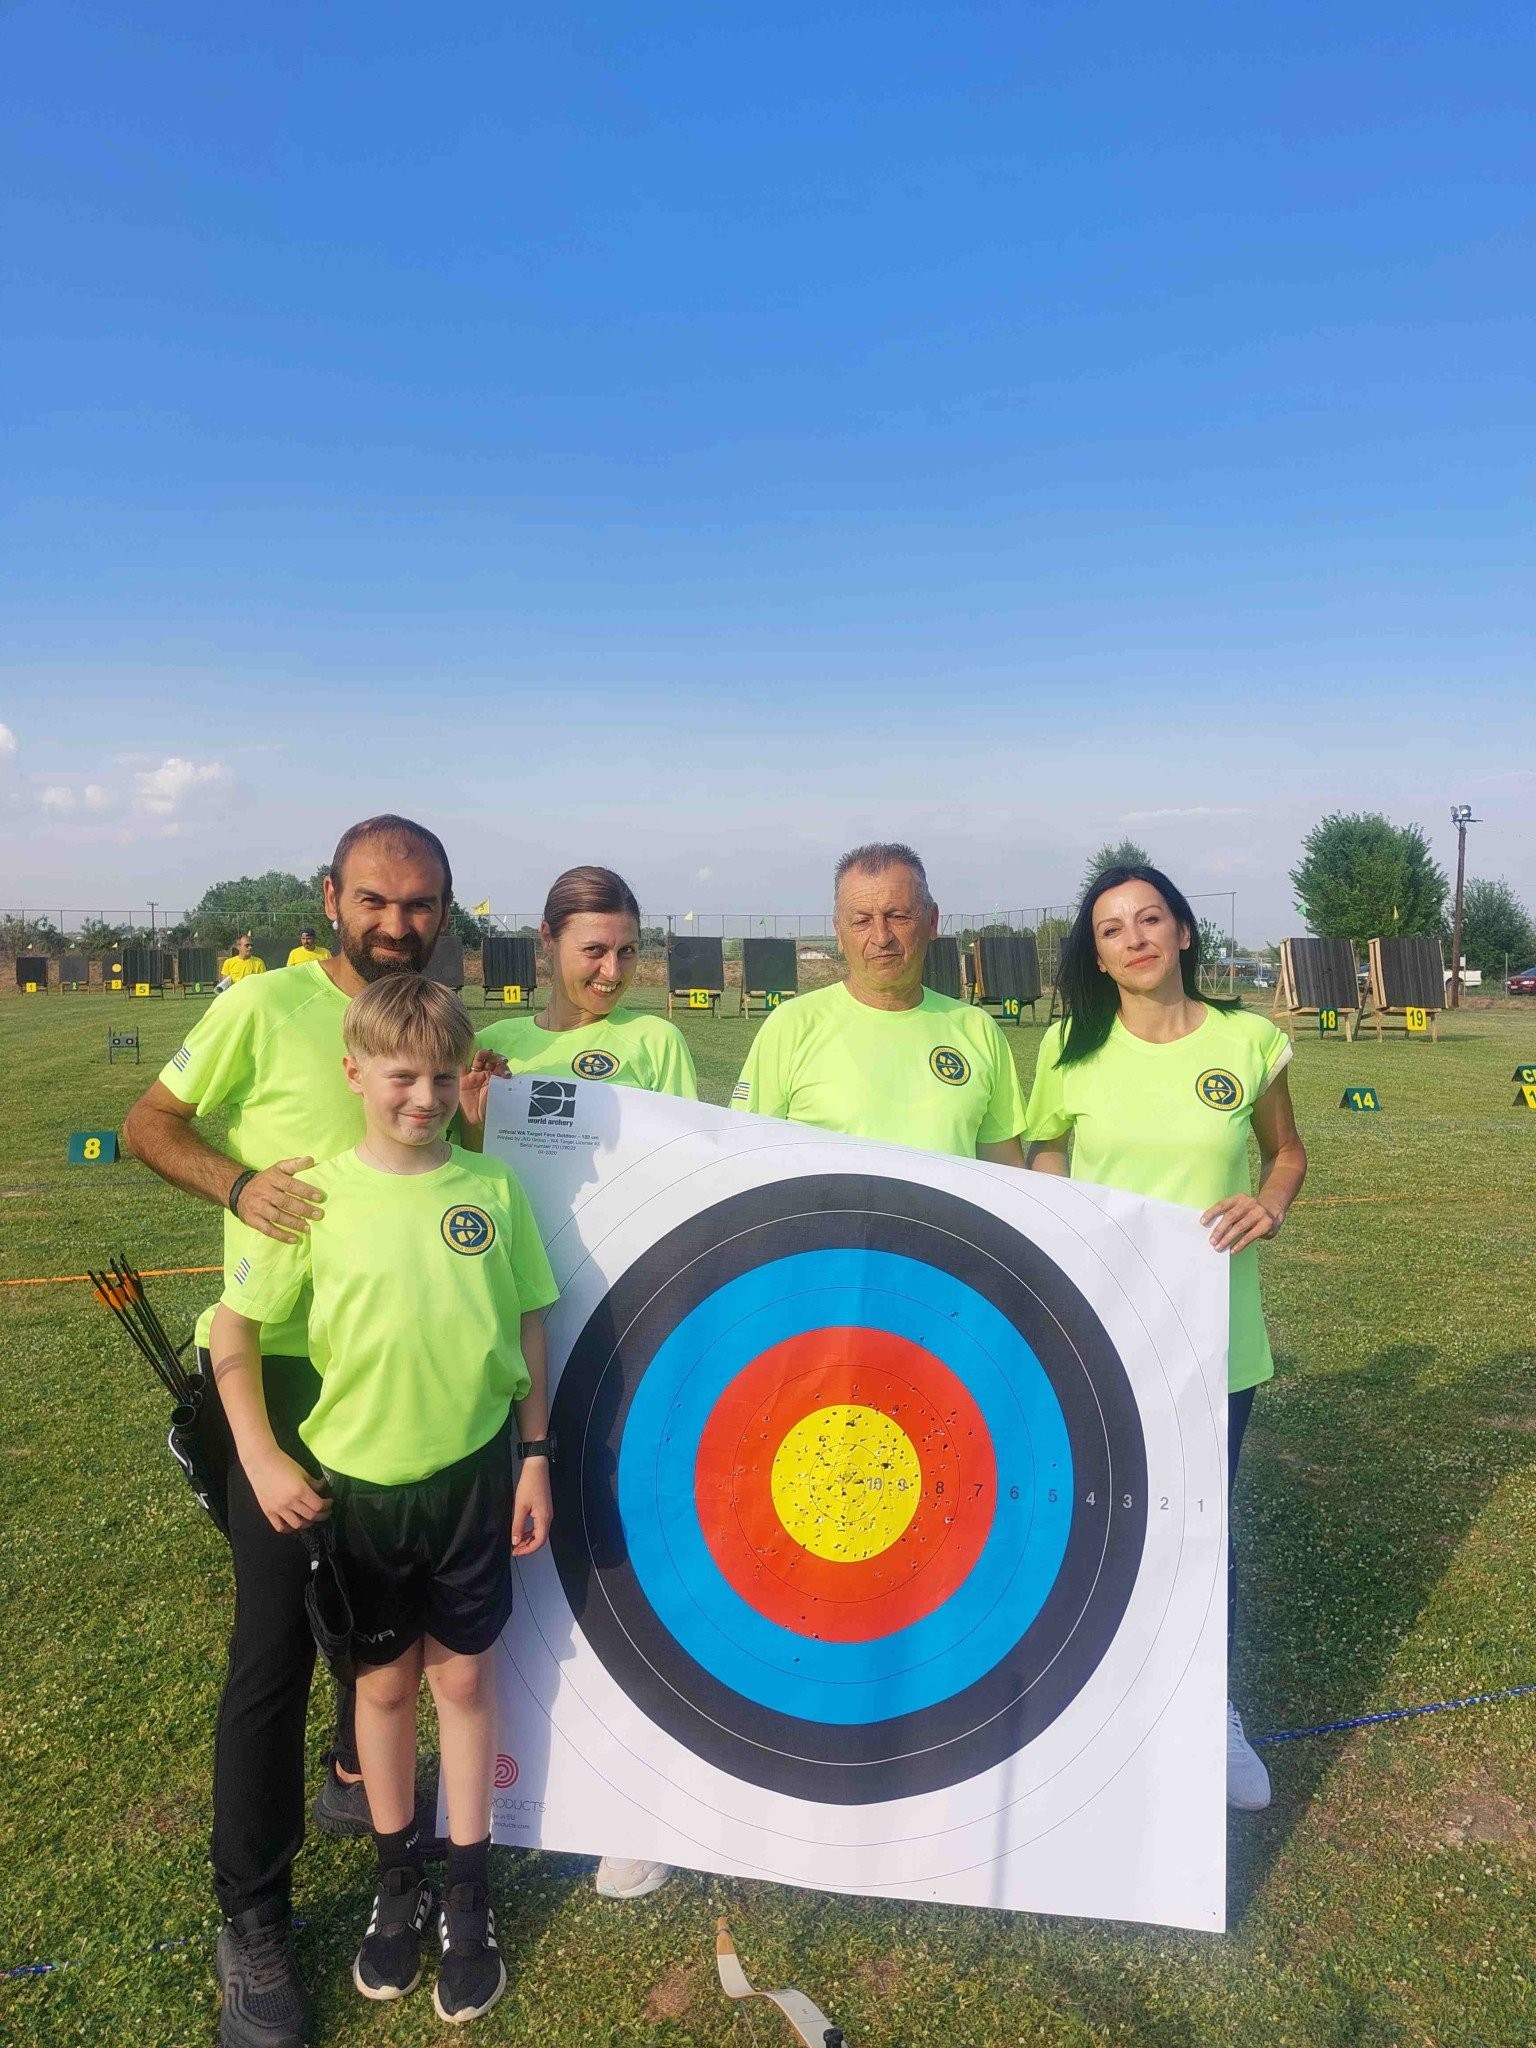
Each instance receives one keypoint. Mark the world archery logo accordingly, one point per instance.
(552, 1102)
(468, 1230)
(595, 1065)
(950, 1066)
(1218, 1089)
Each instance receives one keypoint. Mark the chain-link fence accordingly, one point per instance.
(40, 929)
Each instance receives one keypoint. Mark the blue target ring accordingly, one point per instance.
(911, 1668)
(975, 1678)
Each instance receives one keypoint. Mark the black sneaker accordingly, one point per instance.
(472, 1976)
(265, 2005)
(342, 1809)
(388, 1964)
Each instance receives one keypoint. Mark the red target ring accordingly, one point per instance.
(838, 1599)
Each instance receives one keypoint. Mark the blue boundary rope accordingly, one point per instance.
(1472, 1699)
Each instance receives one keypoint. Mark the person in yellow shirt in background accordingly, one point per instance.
(241, 962)
(880, 1056)
(591, 930)
(1151, 1086)
(306, 950)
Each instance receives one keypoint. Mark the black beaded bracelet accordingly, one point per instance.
(232, 1199)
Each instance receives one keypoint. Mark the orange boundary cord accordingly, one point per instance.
(69, 1279)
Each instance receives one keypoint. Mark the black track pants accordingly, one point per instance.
(258, 1757)
(1239, 1408)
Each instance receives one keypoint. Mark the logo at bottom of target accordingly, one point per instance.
(507, 1773)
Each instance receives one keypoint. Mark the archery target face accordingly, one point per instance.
(857, 1489)
(873, 1541)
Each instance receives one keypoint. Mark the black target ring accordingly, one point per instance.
(1043, 1670)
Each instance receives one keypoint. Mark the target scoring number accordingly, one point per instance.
(859, 1498)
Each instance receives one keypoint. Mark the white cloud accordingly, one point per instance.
(8, 744)
(96, 798)
(179, 785)
(705, 875)
(57, 798)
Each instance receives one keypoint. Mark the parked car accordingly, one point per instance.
(1523, 983)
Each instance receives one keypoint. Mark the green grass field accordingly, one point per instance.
(1387, 1518)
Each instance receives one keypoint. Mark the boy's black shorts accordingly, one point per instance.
(432, 1558)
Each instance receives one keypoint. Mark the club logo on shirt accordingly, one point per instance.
(595, 1065)
(950, 1066)
(1218, 1089)
(242, 1272)
(182, 1060)
(468, 1230)
(742, 1092)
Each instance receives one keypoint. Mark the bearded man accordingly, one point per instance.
(269, 1053)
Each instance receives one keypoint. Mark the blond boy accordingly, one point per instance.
(427, 1279)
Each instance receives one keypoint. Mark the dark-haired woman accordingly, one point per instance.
(591, 931)
(1149, 1085)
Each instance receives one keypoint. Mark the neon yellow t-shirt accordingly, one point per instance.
(940, 1076)
(627, 1049)
(416, 1282)
(302, 955)
(1172, 1122)
(270, 1051)
(237, 969)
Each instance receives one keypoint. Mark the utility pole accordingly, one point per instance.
(1461, 818)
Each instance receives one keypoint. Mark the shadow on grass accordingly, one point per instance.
(1355, 1492)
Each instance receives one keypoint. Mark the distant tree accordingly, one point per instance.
(97, 936)
(467, 927)
(29, 935)
(1495, 927)
(1362, 877)
(1214, 942)
(1049, 933)
(653, 941)
(257, 901)
(1125, 853)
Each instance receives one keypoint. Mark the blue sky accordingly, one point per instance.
(696, 439)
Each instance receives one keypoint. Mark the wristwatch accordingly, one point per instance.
(539, 1447)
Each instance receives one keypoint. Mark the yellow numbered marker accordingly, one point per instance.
(1327, 1020)
(93, 1148)
(513, 992)
(1415, 1019)
(141, 988)
(698, 999)
(31, 988)
(1527, 1095)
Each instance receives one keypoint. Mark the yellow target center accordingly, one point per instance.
(846, 1482)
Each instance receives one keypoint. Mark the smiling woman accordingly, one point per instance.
(1150, 1085)
(591, 932)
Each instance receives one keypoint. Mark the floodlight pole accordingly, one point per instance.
(1461, 818)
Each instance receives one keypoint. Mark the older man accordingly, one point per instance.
(270, 1053)
(880, 1056)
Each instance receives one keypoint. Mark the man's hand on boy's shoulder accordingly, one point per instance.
(277, 1204)
(533, 1508)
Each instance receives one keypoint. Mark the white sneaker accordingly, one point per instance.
(631, 1877)
(1247, 1780)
